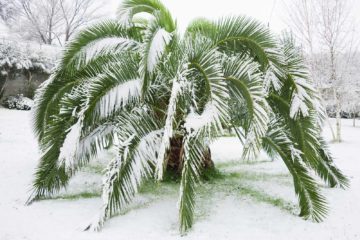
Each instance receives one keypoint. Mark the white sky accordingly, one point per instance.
(267, 11)
(186, 10)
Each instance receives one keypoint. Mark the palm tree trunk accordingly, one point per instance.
(175, 160)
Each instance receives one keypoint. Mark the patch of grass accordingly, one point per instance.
(150, 187)
(76, 196)
(266, 198)
(240, 163)
(215, 183)
(92, 168)
(255, 176)
(233, 183)
(216, 174)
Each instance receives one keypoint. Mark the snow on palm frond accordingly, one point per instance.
(157, 47)
(206, 61)
(201, 130)
(97, 40)
(155, 8)
(271, 80)
(178, 85)
(92, 143)
(246, 85)
(312, 203)
(152, 49)
(194, 152)
(71, 144)
(104, 46)
(72, 139)
(109, 180)
(211, 117)
(301, 98)
(118, 97)
(137, 151)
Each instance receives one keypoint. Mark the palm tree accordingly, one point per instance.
(160, 98)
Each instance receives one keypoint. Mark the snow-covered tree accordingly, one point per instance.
(327, 31)
(51, 21)
(7, 9)
(158, 97)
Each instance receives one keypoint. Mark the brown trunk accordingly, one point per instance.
(175, 161)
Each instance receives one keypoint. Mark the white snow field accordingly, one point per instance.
(253, 201)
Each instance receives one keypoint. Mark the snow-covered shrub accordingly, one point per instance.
(18, 102)
(25, 58)
(17, 56)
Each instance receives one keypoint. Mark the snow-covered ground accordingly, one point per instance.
(255, 200)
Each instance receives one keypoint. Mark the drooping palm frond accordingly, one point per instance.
(139, 138)
(246, 85)
(77, 62)
(135, 84)
(305, 126)
(312, 203)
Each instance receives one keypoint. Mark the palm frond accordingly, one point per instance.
(246, 84)
(129, 8)
(178, 87)
(194, 150)
(139, 139)
(311, 201)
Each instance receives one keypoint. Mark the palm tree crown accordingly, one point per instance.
(134, 83)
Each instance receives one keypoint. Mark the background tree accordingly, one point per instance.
(7, 10)
(51, 21)
(329, 27)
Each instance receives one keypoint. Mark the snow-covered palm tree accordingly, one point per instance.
(160, 98)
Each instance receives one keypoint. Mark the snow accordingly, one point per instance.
(177, 87)
(211, 114)
(228, 215)
(27, 55)
(118, 97)
(104, 46)
(71, 145)
(157, 47)
(4, 30)
(299, 98)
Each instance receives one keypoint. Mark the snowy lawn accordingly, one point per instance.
(246, 200)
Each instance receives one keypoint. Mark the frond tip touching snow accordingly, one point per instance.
(125, 173)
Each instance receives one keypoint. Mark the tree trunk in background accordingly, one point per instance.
(354, 118)
(3, 84)
(338, 116)
(175, 161)
(338, 121)
(338, 126)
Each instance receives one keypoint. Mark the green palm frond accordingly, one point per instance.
(311, 201)
(77, 62)
(129, 8)
(139, 137)
(194, 150)
(246, 85)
